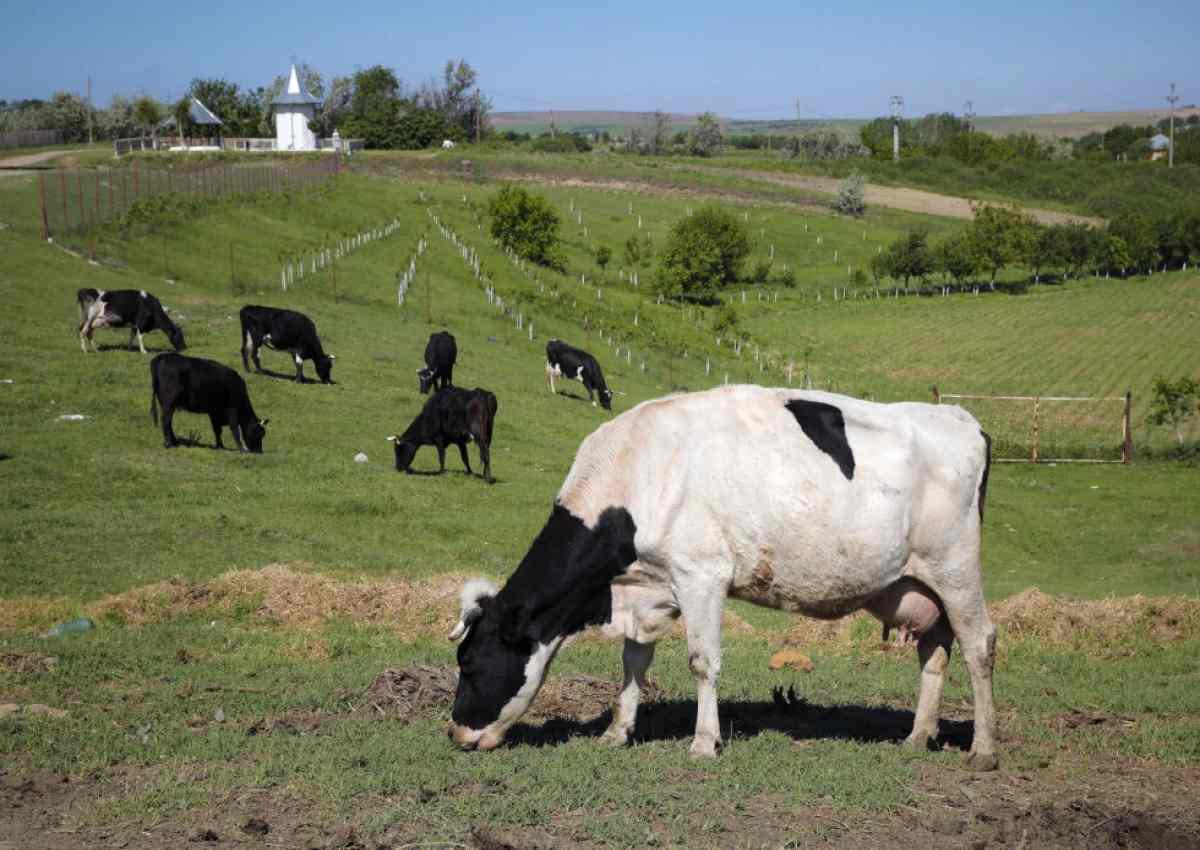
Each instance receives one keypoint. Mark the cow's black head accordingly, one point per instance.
(405, 452)
(324, 366)
(253, 434)
(425, 377)
(176, 336)
(500, 667)
(606, 398)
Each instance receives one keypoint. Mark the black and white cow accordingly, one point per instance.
(452, 416)
(136, 309)
(283, 330)
(577, 365)
(204, 386)
(804, 501)
(441, 353)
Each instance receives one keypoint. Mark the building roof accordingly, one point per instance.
(201, 114)
(1159, 142)
(294, 93)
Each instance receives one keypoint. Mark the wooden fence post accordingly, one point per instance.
(42, 195)
(1036, 428)
(937, 396)
(1127, 444)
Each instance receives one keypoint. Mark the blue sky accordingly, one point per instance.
(749, 60)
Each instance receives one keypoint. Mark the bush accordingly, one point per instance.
(562, 143)
(786, 277)
(852, 198)
(762, 270)
(527, 224)
(703, 252)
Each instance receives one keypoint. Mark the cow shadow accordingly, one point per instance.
(566, 394)
(800, 720)
(283, 376)
(117, 346)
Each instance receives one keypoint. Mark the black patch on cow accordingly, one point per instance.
(987, 466)
(561, 587)
(826, 427)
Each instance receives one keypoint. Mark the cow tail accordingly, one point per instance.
(153, 392)
(987, 465)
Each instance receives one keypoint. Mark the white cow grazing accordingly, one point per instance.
(805, 501)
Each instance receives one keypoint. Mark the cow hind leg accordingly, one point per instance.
(701, 604)
(168, 415)
(462, 450)
(636, 657)
(933, 649)
(964, 605)
(231, 418)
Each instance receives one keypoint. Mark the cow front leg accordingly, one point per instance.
(216, 423)
(231, 417)
(247, 346)
(550, 377)
(139, 340)
(299, 368)
(933, 649)
(441, 450)
(462, 450)
(168, 415)
(132, 331)
(701, 605)
(636, 657)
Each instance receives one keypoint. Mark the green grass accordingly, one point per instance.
(89, 508)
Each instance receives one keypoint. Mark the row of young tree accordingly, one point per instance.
(371, 104)
(1000, 237)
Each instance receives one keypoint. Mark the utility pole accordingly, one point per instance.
(1172, 99)
(897, 104)
(89, 110)
(969, 116)
(478, 120)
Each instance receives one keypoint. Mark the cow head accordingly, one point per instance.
(405, 452)
(425, 377)
(606, 398)
(500, 667)
(253, 434)
(324, 366)
(176, 336)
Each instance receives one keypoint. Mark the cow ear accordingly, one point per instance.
(395, 438)
(263, 422)
(475, 594)
(514, 623)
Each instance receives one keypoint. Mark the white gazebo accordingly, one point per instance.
(293, 110)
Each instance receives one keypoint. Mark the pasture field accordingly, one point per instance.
(248, 607)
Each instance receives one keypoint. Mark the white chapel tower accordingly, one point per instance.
(293, 110)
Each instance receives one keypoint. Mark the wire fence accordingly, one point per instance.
(74, 200)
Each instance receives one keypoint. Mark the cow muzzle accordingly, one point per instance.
(470, 739)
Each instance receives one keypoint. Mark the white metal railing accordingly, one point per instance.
(245, 145)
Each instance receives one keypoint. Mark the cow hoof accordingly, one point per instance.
(615, 737)
(705, 748)
(919, 741)
(982, 762)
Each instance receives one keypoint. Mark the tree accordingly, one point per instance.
(1111, 253)
(1137, 232)
(453, 100)
(375, 104)
(418, 128)
(70, 114)
(705, 137)
(703, 252)
(852, 195)
(1078, 241)
(725, 320)
(1002, 236)
(603, 256)
(660, 135)
(909, 256)
(239, 116)
(957, 258)
(1173, 403)
(117, 122)
(527, 224)
(633, 252)
(148, 114)
(1047, 248)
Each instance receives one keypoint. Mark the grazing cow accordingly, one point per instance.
(441, 353)
(204, 386)
(451, 416)
(803, 501)
(577, 365)
(118, 308)
(283, 330)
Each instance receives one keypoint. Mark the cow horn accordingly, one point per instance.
(333, 357)
(393, 439)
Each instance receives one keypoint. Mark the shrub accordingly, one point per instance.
(786, 277)
(851, 197)
(527, 224)
(703, 252)
(762, 270)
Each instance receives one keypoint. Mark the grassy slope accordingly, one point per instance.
(92, 507)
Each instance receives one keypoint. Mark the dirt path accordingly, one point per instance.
(913, 200)
(13, 165)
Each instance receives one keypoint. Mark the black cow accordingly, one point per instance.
(451, 416)
(577, 365)
(441, 352)
(118, 308)
(204, 386)
(283, 330)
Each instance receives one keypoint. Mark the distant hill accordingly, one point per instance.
(1062, 124)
